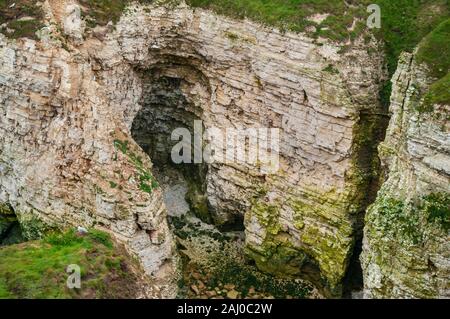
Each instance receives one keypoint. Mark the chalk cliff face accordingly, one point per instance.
(406, 239)
(70, 102)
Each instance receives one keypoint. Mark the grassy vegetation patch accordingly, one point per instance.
(37, 269)
(100, 12)
(438, 93)
(406, 22)
(410, 222)
(22, 18)
(293, 14)
(437, 207)
(435, 50)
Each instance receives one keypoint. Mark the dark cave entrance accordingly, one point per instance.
(165, 109)
(10, 230)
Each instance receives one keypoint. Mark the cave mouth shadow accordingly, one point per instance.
(165, 107)
(10, 228)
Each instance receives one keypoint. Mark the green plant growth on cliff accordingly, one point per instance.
(22, 18)
(368, 133)
(33, 228)
(437, 208)
(434, 51)
(398, 220)
(438, 93)
(198, 201)
(37, 269)
(292, 15)
(410, 222)
(147, 182)
(276, 255)
(100, 12)
(5, 209)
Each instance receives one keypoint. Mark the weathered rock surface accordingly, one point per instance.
(406, 251)
(67, 155)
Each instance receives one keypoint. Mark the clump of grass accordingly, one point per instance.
(22, 17)
(438, 93)
(437, 206)
(63, 239)
(435, 50)
(331, 69)
(100, 12)
(37, 269)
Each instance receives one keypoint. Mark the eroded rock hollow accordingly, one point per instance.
(86, 120)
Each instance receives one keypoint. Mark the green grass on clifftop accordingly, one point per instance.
(292, 14)
(37, 269)
(22, 18)
(102, 11)
(434, 50)
(439, 93)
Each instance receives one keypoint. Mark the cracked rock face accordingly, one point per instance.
(68, 157)
(406, 241)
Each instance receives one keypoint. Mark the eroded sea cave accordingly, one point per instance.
(175, 97)
(210, 238)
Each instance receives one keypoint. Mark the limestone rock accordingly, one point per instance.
(72, 24)
(406, 239)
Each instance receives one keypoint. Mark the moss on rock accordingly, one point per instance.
(276, 255)
(5, 209)
(33, 228)
(405, 236)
